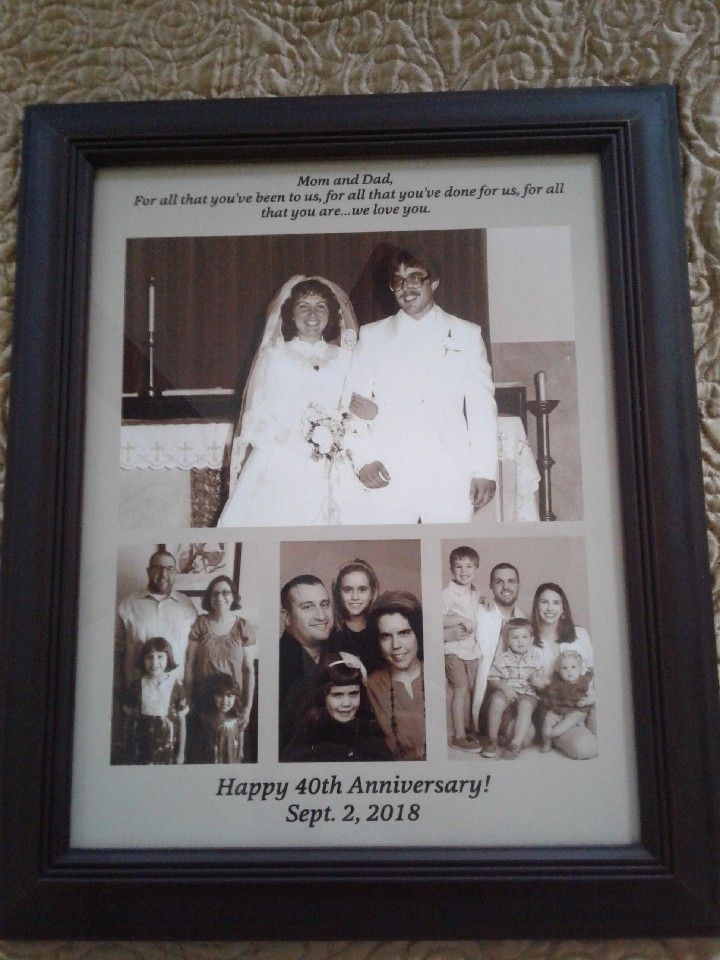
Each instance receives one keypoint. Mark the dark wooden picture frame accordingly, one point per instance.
(664, 885)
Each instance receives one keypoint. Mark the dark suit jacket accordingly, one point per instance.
(297, 671)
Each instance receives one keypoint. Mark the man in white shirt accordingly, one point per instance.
(156, 611)
(422, 381)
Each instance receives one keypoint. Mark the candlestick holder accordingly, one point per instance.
(541, 410)
(150, 389)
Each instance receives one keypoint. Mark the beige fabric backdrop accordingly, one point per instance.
(167, 49)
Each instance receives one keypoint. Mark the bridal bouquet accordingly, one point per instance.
(325, 433)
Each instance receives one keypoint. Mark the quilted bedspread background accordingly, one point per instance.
(164, 49)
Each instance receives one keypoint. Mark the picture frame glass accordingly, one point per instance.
(186, 263)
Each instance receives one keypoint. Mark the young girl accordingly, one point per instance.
(355, 590)
(569, 699)
(222, 722)
(155, 707)
(336, 722)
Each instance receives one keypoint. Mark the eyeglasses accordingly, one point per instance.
(413, 282)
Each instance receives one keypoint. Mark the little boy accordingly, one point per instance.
(462, 653)
(515, 676)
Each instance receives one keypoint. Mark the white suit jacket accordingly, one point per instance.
(434, 391)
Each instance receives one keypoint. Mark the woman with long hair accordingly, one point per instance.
(555, 628)
(557, 633)
(397, 688)
(354, 591)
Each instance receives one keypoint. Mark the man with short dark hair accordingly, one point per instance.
(307, 616)
(157, 610)
(491, 620)
(422, 382)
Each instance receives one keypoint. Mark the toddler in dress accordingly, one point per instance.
(222, 722)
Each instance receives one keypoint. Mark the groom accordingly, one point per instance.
(421, 381)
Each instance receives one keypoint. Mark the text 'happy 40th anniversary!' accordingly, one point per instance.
(404, 806)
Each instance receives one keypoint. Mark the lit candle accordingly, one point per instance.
(540, 386)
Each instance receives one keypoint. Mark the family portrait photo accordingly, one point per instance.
(185, 657)
(519, 663)
(398, 377)
(351, 675)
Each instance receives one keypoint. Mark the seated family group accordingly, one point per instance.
(512, 678)
(393, 421)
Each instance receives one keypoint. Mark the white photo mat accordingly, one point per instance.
(536, 801)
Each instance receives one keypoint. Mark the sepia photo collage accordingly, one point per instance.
(360, 391)
(356, 517)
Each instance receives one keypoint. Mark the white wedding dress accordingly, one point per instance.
(280, 484)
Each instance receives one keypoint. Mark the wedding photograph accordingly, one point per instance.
(185, 657)
(351, 680)
(399, 377)
(519, 664)
(263, 409)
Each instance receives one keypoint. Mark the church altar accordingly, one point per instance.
(172, 473)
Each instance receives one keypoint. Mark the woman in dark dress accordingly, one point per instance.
(336, 722)
(354, 591)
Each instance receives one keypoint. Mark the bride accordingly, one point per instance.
(278, 477)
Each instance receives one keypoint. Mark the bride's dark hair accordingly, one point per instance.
(320, 289)
(566, 625)
(404, 603)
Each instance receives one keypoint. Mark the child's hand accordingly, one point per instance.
(468, 625)
(484, 602)
(509, 688)
(454, 633)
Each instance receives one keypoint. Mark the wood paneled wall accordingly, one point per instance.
(212, 293)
